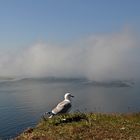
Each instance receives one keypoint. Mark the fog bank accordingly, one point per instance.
(97, 57)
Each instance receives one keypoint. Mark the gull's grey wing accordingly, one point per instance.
(62, 107)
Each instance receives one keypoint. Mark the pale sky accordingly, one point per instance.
(23, 22)
(96, 39)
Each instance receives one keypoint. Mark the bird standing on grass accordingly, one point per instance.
(62, 107)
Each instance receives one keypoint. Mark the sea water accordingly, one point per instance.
(22, 102)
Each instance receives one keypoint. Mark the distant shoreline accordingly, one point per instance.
(81, 80)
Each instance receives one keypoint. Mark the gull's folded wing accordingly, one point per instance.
(62, 107)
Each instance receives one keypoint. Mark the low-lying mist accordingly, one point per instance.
(98, 57)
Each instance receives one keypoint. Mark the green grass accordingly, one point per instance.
(88, 126)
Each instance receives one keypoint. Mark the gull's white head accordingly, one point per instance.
(68, 96)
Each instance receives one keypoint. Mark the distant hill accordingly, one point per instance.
(2, 78)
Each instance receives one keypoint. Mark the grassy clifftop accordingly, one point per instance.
(86, 127)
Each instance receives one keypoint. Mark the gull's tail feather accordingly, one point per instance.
(47, 115)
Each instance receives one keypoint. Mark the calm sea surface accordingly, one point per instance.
(22, 102)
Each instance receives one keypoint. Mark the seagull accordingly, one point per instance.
(62, 107)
